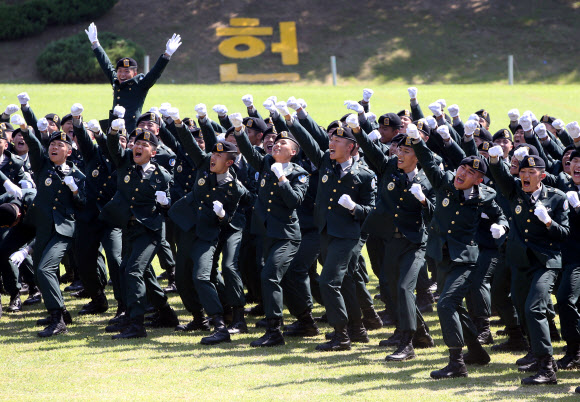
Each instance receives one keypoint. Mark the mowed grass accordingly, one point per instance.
(86, 364)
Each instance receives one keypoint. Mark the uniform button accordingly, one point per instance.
(269, 201)
(136, 189)
(461, 204)
(396, 215)
(400, 199)
(275, 183)
(118, 97)
(59, 191)
(398, 207)
(334, 190)
(189, 177)
(526, 230)
(268, 209)
(200, 208)
(207, 195)
(271, 193)
(131, 206)
(329, 207)
(56, 199)
(453, 222)
(331, 199)
(528, 221)
(104, 184)
(405, 190)
(132, 198)
(456, 212)
(339, 182)
(526, 240)
(449, 231)
(109, 177)
(213, 189)
(53, 207)
(32, 204)
(531, 210)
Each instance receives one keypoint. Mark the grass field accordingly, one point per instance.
(86, 364)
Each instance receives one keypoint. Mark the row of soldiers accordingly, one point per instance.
(488, 213)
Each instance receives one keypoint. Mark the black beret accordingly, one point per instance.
(7, 126)
(66, 118)
(574, 154)
(343, 118)
(126, 62)
(483, 134)
(532, 161)
(146, 135)
(149, 116)
(54, 118)
(60, 136)
(222, 147)
(255, 124)
(195, 132)
(532, 150)
(333, 126)
(547, 119)
(270, 130)
(390, 120)
(189, 122)
(404, 112)
(570, 147)
(8, 214)
(485, 146)
(475, 162)
(398, 138)
(344, 132)
(286, 135)
(3, 134)
(485, 114)
(503, 133)
(405, 141)
(230, 131)
(423, 127)
(268, 120)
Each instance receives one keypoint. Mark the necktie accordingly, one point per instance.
(338, 170)
(140, 171)
(59, 171)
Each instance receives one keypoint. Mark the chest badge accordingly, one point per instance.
(519, 209)
(127, 179)
(95, 172)
(48, 181)
(391, 186)
(263, 183)
(325, 178)
(445, 202)
(201, 182)
(179, 169)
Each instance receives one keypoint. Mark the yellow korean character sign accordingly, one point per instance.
(245, 32)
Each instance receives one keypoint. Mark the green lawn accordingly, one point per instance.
(86, 364)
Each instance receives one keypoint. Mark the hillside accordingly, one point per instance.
(417, 41)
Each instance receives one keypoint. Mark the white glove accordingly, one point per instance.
(495, 151)
(521, 153)
(273, 98)
(542, 213)
(18, 257)
(470, 126)
(558, 124)
(161, 198)
(221, 137)
(496, 230)
(270, 106)
(573, 198)
(18, 120)
(367, 93)
(292, 103)
(355, 106)
(531, 114)
(371, 117)
(94, 126)
(282, 108)
(118, 124)
(23, 98)
(412, 92)
(92, 33)
(11, 109)
(453, 110)
(412, 131)
(248, 100)
(474, 117)
(277, 169)
(435, 107)
(119, 111)
(218, 208)
(164, 108)
(302, 103)
(346, 202)
(526, 122)
(76, 110)
(573, 129)
(431, 122)
(514, 115)
(12, 189)
(70, 182)
(152, 109)
(24, 184)
(374, 135)
(442, 102)
(444, 132)
(540, 131)
(236, 119)
(173, 112)
(201, 109)
(220, 110)
(352, 121)
(172, 44)
(417, 192)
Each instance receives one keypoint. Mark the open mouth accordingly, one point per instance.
(514, 165)
(212, 164)
(459, 180)
(269, 147)
(138, 154)
(576, 173)
(400, 161)
(20, 143)
(525, 183)
(332, 151)
(54, 153)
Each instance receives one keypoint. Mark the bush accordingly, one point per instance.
(33, 16)
(72, 60)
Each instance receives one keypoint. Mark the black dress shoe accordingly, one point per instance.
(135, 329)
(199, 323)
(166, 318)
(387, 318)
(422, 339)
(357, 333)
(33, 298)
(67, 277)
(571, 359)
(119, 326)
(24, 289)
(263, 323)
(455, 368)
(405, 351)
(239, 327)
(255, 311)
(516, 342)
(15, 304)
(220, 334)
(545, 375)
(56, 326)
(272, 337)
(74, 287)
(339, 342)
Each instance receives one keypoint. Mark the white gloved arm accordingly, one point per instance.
(12, 189)
(542, 213)
(70, 182)
(236, 120)
(76, 110)
(347, 202)
(355, 106)
(18, 120)
(435, 107)
(221, 110)
(11, 109)
(431, 122)
(172, 44)
(92, 33)
(412, 131)
(161, 198)
(293, 103)
(496, 230)
(219, 210)
(201, 110)
(173, 112)
(444, 133)
(573, 199)
(412, 92)
(573, 129)
(42, 124)
(94, 126)
(282, 108)
(453, 111)
(277, 169)
(540, 131)
(270, 106)
(374, 135)
(19, 256)
(118, 124)
(164, 108)
(248, 101)
(521, 153)
(23, 98)
(514, 115)
(352, 121)
(558, 124)
(417, 191)
(470, 126)
(367, 94)
(371, 117)
(119, 111)
(495, 152)
(526, 122)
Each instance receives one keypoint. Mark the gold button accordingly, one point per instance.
(456, 212)
(334, 190)
(105, 184)
(398, 207)
(449, 231)
(275, 183)
(131, 206)
(461, 204)
(396, 215)
(213, 189)
(339, 181)
(453, 222)
(271, 193)
(268, 209)
(207, 195)
(189, 177)
(405, 190)
(526, 240)
(32, 204)
(56, 199)
(528, 221)
(531, 210)
(331, 199)
(118, 97)
(400, 199)
(136, 189)
(270, 201)
(526, 230)
(329, 207)
(109, 177)
(59, 191)
(200, 208)
(53, 207)
(132, 198)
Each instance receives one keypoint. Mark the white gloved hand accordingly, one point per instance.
(474, 117)
(152, 109)
(277, 169)
(18, 120)
(70, 182)
(526, 122)
(248, 100)
(444, 132)
(164, 108)
(496, 230)
(23, 98)
(94, 126)
(371, 117)
(236, 120)
(220, 110)
(76, 109)
(470, 126)
(118, 124)
(573, 198)
(374, 135)
(540, 131)
(558, 124)
(302, 103)
(431, 122)
(355, 106)
(11, 109)
(218, 208)
(346, 202)
(542, 213)
(18, 257)
(573, 129)
(352, 121)
(412, 92)
(531, 114)
(221, 137)
(119, 111)
(442, 102)
(453, 110)
(172, 44)
(201, 110)
(42, 124)
(282, 108)
(495, 151)
(435, 108)
(161, 198)
(514, 115)
(24, 184)
(412, 131)
(292, 103)
(521, 153)
(173, 112)
(273, 98)
(367, 93)
(417, 191)
(12, 189)
(270, 106)
(92, 33)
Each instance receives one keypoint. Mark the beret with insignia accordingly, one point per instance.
(146, 135)
(255, 124)
(271, 130)
(7, 126)
(405, 141)
(390, 120)
(484, 146)
(230, 131)
(344, 132)
(532, 161)
(3, 134)
(223, 147)
(60, 136)
(66, 118)
(189, 122)
(485, 114)
(286, 135)
(503, 133)
(404, 113)
(476, 163)
(547, 119)
(423, 126)
(126, 62)
(54, 118)
(333, 126)
(483, 134)
(149, 116)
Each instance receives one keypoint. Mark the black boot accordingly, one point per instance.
(546, 373)
(422, 339)
(392, 340)
(220, 334)
(516, 341)
(238, 325)
(171, 287)
(121, 324)
(476, 354)
(15, 304)
(34, 297)
(571, 359)
(339, 342)
(46, 321)
(97, 305)
(56, 326)
(371, 319)
(455, 368)
(357, 333)
(387, 318)
(405, 351)
(425, 301)
(199, 323)
(119, 314)
(273, 335)
(527, 359)
(483, 332)
(554, 334)
(74, 287)
(165, 319)
(135, 329)
(304, 326)
(263, 323)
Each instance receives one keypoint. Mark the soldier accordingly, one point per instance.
(11, 167)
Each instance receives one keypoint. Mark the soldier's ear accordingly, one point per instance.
(153, 152)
